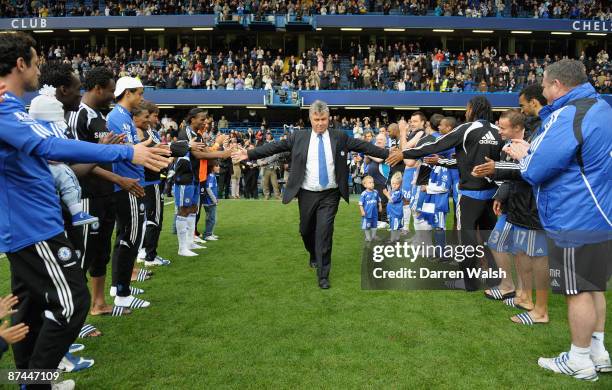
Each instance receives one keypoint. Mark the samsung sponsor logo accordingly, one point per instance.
(592, 25)
(101, 134)
(29, 23)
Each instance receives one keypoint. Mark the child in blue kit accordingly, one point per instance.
(210, 201)
(369, 205)
(395, 206)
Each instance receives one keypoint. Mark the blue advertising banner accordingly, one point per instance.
(92, 22)
(194, 97)
(457, 22)
(322, 21)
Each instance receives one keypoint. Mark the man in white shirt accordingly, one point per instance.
(319, 177)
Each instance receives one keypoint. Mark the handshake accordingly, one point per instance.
(239, 154)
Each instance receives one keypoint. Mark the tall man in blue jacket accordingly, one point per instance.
(569, 165)
(45, 270)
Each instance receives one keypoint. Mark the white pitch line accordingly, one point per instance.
(167, 203)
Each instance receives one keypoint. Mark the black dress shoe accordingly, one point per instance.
(324, 284)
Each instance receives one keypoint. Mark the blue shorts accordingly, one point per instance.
(532, 242)
(501, 237)
(369, 223)
(396, 223)
(187, 195)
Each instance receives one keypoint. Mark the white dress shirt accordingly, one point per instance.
(311, 176)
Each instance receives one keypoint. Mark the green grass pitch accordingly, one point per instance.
(247, 313)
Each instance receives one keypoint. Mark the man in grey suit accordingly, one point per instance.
(319, 177)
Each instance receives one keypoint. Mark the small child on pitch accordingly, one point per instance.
(395, 206)
(49, 112)
(369, 205)
(210, 201)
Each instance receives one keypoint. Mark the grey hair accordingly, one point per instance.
(570, 73)
(318, 107)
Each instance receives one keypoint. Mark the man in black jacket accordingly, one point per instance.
(473, 142)
(319, 177)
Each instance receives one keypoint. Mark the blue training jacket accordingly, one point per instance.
(29, 206)
(574, 208)
(120, 121)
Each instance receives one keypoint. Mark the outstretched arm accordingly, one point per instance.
(447, 141)
(357, 145)
(266, 150)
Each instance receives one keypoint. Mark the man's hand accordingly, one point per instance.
(486, 169)
(112, 139)
(497, 207)
(6, 305)
(432, 160)
(395, 156)
(239, 155)
(517, 149)
(386, 192)
(153, 158)
(132, 186)
(13, 334)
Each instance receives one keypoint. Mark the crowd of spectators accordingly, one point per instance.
(399, 66)
(574, 9)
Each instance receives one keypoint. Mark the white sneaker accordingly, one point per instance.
(196, 246)
(187, 253)
(64, 385)
(382, 225)
(602, 362)
(141, 256)
(132, 302)
(157, 262)
(199, 240)
(212, 238)
(563, 365)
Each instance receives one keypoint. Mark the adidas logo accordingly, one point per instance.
(554, 283)
(488, 139)
(539, 251)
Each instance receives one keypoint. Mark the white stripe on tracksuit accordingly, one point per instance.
(158, 204)
(85, 203)
(134, 215)
(57, 277)
(569, 270)
(503, 236)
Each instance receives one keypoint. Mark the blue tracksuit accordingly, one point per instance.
(569, 202)
(29, 206)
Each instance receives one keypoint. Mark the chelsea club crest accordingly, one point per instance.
(64, 253)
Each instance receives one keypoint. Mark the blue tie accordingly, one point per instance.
(323, 178)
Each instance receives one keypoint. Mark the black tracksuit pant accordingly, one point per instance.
(53, 301)
(475, 215)
(154, 205)
(130, 218)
